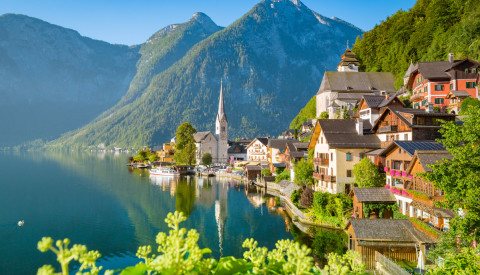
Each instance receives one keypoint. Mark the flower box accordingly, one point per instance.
(404, 174)
(392, 172)
(387, 186)
(397, 173)
(410, 176)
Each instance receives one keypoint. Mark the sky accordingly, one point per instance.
(132, 22)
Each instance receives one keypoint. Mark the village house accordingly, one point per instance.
(396, 239)
(288, 134)
(371, 195)
(215, 144)
(237, 152)
(431, 82)
(409, 124)
(275, 156)
(415, 198)
(338, 144)
(345, 88)
(371, 106)
(308, 125)
(167, 152)
(455, 99)
(257, 150)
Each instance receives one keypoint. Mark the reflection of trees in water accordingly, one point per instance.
(185, 196)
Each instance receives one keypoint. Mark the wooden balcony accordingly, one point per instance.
(388, 129)
(321, 162)
(329, 178)
(317, 176)
(417, 97)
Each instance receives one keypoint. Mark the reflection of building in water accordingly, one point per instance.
(206, 193)
(221, 212)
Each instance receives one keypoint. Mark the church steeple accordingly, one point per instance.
(349, 63)
(221, 108)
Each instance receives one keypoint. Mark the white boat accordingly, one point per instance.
(164, 171)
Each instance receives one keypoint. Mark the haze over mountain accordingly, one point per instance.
(271, 61)
(53, 80)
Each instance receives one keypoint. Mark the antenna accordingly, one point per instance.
(347, 46)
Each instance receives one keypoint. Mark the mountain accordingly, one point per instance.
(427, 32)
(53, 80)
(271, 61)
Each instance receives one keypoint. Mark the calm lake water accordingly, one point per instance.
(94, 199)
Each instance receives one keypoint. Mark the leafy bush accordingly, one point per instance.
(327, 206)
(295, 196)
(266, 172)
(367, 174)
(469, 103)
(304, 172)
(323, 115)
(179, 253)
(284, 175)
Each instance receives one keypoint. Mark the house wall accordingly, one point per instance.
(257, 151)
(207, 145)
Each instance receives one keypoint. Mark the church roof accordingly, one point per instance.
(200, 136)
(358, 82)
(221, 108)
(348, 58)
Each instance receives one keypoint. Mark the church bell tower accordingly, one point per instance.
(221, 124)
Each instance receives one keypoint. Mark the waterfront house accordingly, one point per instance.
(338, 144)
(396, 239)
(430, 82)
(237, 151)
(167, 152)
(455, 99)
(288, 134)
(294, 151)
(275, 156)
(345, 87)
(257, 150)
(308, 126)
(409, 124)
(253, 172)
(415, 197)
(371, 195)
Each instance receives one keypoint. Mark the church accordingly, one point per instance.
(215, 144)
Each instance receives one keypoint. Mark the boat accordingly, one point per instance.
(164, 171)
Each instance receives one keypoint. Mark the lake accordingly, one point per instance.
(96, 200)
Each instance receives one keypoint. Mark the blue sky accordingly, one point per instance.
(133, 21)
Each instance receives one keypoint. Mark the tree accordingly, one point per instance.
(304, 172)
(459, 177)
(469, 103)
(186, 148)
(266, 172)
(306, 200)
(207, 159)
(323, 115)
(284, 175)
(367, 175)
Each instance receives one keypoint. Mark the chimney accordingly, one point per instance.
(429, 108)
(450, 57)
(359, 126)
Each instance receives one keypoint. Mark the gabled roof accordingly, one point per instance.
(237, 149)
(404, 113)
(427, 158)
(438, 70)
(300, 145)
(458, 94)
(373, 194)
(411, 146)
(409, 70)
(262, 140)
(278, 143)
(200, 136)
(358, 82)
(342, 133)
(387, 230)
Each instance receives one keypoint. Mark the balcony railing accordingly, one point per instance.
(317, 176)
(321, 162)
(388, 129)
(330, 178)
(417, 96)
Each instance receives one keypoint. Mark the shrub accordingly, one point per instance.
(306, 200)
(295, 196)
(266, 172)
(284, 175)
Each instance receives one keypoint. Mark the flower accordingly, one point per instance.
(392, 172)
(404, 174)
(385, 169)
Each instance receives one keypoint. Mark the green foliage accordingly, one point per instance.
(145, 155)
(469, 103)
(207, 159)
(399, 216)
(284, 175)
(331, 208)
(324, 115)
(306, 113)
(406, 101)
(295, 196)
(347, 264)
(379, 208)
(186, 149)
(459, 177)
(266, 172)
(425, 228)
(304, 172)
(326, 242)
(179, 253)
(418, 195)
(153, 157)
(65, 255)
(367, 175)
(463, 261)
(427, 32)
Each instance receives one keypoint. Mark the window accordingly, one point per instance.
(399, 150)
(438, 87)
(466, 70)
(396, 165)
(405, 137)
(349, 173)
(349, 156)
(451, 86)
(426, 89)
(438, 100)
(470, 85)
(321, 141)
(361, 155)
(474, 70)
(331, 156)
(420, 120)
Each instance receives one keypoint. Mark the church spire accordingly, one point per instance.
(221, 108)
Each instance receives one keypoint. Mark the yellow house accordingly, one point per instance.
(338, 145)
(167, 152)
